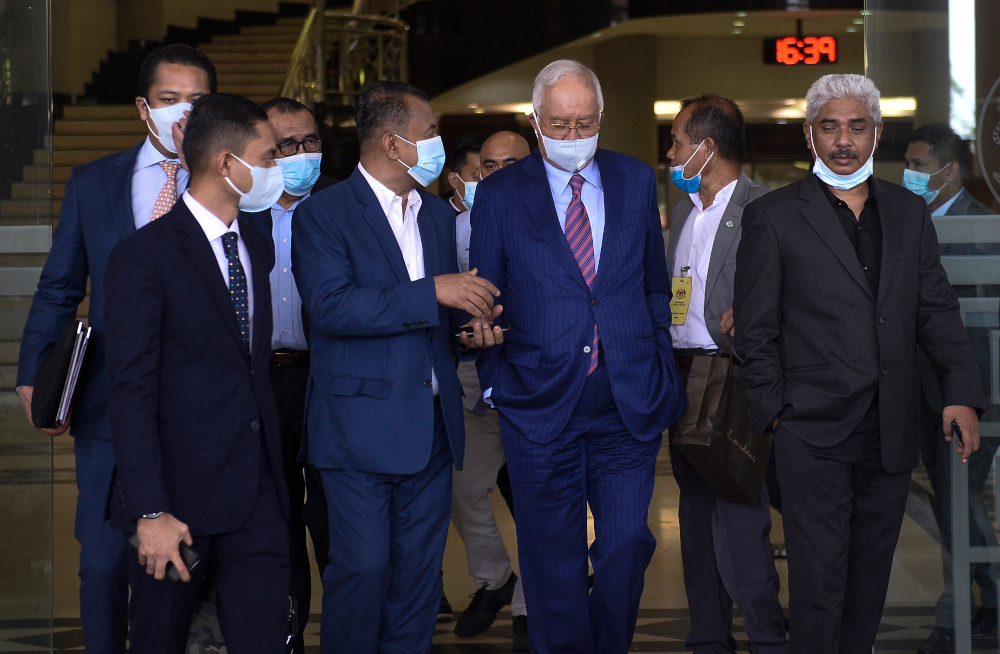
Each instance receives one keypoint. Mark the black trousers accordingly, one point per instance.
(305, 489)
(842, 514)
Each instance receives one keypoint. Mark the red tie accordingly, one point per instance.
(582, 243)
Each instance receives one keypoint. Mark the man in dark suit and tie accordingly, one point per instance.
(375, 261)
(193, 417)
(300, 151)
(585, 382)
(725, 546)
(105, 201)
(838, 283)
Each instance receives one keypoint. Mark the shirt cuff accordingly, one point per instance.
(486, 397)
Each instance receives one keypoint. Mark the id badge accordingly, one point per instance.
(681, 288)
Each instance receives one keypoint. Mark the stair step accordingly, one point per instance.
(246, 68)
(9, 351)
(232, 79)
(74, 157)
(282, 58)
(296, 21)
(264, 30)
(212, 49)
(95, 141)
(40, 174)
(27, 209)
(8, 376)
(67, 127)
(25, 239)
(48, 221)
(19, 280)
(248, 90)
(101, 112)
(255, 39)
(30, 191)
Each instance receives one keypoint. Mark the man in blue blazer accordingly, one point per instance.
(105, 201)
(585, 383)
(374, 259)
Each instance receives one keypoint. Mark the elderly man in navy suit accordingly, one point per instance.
(585, 383)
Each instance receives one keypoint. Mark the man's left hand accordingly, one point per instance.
(727, 324)
(968, 422)
(483, 335)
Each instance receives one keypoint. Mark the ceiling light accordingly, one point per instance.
(473, 105)
(666, 107)
(524, 108)
(739, 23)
(852, 29)
(858, 21)
(479, 111)
(596, 35)
(736, 30)
(898, 107)
(789, 102)
(741, 14)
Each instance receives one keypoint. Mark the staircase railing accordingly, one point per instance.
(339, 54)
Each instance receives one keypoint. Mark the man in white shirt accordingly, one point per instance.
(725, 546)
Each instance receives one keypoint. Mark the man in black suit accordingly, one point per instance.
(193, 418)
(300, 151)
(838, 281)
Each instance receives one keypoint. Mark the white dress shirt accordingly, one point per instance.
(214, 229)
(148, 179)
(592, 195)
(404, 227)
(463, 234)
(943, 209)
(286, 303)
(694, 249)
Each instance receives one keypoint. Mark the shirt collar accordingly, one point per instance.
(281, 209)
(721, 198)
(559, 178)
(943, 209)
(387, 196)
(211, 224)
(150, 156)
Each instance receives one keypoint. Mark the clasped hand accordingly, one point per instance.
(159, 544)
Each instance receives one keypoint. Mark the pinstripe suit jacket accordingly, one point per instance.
(538, 373)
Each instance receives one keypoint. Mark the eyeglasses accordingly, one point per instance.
(583, 130)
(290, 147)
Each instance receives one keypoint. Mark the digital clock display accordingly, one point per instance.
(807, 50)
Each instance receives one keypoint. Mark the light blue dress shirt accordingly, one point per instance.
(286, 303)
(148, 179)
(593, 199)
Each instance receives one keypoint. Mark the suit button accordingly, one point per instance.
(884, 371)
(586, 349)
(881, 321)
(254, 425)
(427, 383)
(594, 302)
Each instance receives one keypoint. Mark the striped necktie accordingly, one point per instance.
(581, 241)
(168, 194)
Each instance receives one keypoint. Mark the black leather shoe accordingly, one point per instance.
(984, 622)
(522, 643)
(482, 612)
(941, 641)
(445, 613)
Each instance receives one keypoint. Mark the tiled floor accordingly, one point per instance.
(916, 579)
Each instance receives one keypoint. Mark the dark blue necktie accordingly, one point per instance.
(237, 285)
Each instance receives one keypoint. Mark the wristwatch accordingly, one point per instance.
(153, 516)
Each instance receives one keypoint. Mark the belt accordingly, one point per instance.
(684, 361)
(290, 358)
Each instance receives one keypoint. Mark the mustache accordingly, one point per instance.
(842, 152)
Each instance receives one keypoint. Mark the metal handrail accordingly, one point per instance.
(297, 80)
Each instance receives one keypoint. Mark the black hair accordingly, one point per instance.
(713, 116)
(176, 53)
(382, 107)
(220, 121)
(463, 148)
(284, 106)
(946, 146)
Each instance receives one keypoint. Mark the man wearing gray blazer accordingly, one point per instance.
(725, 546)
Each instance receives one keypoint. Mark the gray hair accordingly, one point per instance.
(558, 69)
(842, 87)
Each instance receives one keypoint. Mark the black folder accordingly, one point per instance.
(57, 377)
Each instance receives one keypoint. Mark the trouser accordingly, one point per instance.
(249, 570)
(104, 568)
(842, 513)
(305, 489)
(936, 454)
(472, 509)
(382, 588)
(594, 460)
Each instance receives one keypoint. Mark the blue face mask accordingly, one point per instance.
(300, 171)
(677, 173)
(430, 159)
(842, 182)
(917, 182)
(470, 193)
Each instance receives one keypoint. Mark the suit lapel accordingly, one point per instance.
(257, 248)
(429, 241)
(892, 227)
(677, 221)
(379, 223)
(725, 235)
(537, 197)
(199, 250)
(820, 215)
(614, 205)
(119, 190)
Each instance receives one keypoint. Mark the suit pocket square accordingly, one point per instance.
(352, 386)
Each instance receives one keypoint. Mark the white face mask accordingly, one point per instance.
(568, 155)
(842, 182)
(164, 119)
(267, 185)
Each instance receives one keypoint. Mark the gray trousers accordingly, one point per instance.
(472, 510)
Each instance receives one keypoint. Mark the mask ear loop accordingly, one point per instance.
(688, 179)
(149, 113)
(230, 182)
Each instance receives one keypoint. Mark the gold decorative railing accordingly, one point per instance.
(339, 54)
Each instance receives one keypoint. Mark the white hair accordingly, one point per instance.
(558, 69)
(842, 87)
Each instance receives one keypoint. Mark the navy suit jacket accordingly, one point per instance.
(374, 334)
(96, 214)
(188, 405)
(538, 373)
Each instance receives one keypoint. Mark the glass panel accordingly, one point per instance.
(25, 235)
(942, 54)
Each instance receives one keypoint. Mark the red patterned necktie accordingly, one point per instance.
(168, 194)
(581, 241)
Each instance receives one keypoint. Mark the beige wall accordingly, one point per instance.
(82, 33)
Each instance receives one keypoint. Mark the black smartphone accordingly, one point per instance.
(957, 431)
(191, 558)
(468, 331)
